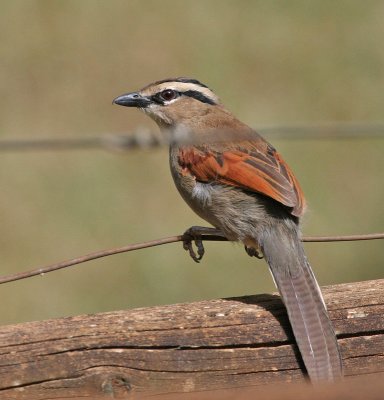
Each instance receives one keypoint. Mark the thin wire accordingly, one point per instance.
(343, 238)
(143, 138)
(159, 242)
(327, 130)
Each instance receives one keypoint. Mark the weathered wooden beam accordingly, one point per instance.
(218, 344)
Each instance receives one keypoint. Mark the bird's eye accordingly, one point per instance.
(168, 94)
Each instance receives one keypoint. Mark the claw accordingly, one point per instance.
(200, 248)
(253, 252)
(194, 234)
(188, 246)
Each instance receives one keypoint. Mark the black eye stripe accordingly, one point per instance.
(199, 96)
(156, 98)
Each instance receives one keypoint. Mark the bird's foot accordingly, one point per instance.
(254, 252)
(194, 234)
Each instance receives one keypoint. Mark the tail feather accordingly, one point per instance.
(302, 297)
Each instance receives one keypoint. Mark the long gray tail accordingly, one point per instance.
(302, 297)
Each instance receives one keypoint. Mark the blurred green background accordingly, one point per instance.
(271, 62)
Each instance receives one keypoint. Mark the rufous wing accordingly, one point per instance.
(247, 167)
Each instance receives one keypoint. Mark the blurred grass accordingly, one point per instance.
(271, 62)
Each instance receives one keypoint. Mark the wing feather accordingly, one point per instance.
(247, 167)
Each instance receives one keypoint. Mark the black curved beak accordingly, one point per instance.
(133, 99)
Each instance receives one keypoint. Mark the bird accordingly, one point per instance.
(237, 181)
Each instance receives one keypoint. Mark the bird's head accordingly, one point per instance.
(170, 102)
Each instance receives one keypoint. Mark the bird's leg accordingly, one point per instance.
(254, 252)
(194, 234)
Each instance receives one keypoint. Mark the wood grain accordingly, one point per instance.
(207, 345)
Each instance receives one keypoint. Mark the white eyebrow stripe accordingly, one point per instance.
(184, 87)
